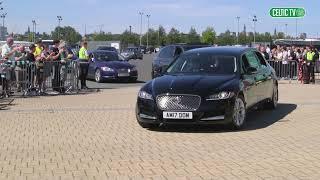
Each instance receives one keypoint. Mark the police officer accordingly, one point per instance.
(310, 57)
(83, 64)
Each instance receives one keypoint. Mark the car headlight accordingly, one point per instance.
(220, 96)
(107, 69)
(145, 95)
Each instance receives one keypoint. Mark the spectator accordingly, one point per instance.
(20, 56)
(46, 57)
(264, 53)
(38, 49)
(56, 58)
(8, 52)
(268, 50)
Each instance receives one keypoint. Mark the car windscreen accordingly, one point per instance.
(104, 48)
(106, 56)
(199, 63)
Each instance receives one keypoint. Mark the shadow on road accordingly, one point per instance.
(255, 120)
(6, 103)
(117, 82)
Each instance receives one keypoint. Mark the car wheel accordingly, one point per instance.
(97, 76)
(133, 80)
(273, 103)
(238, 117)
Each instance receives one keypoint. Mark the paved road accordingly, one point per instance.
(95, 136)
(144, 69)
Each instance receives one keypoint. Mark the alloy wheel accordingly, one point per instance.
(239, 112)
(275, 97)
(98, 75)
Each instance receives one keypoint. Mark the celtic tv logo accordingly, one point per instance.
(287, 12)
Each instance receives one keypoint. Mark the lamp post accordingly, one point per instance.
(34, 29)
(254, 28)
(141, 14)
(286, 30)
(3, 16)
(296, 28)
(148, 16)
(59, 23)
(238, 19)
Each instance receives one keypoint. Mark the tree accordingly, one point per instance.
(193, 37)
(162, 35)
(226, 38)
(68, 34)
(153, 37)
(128, 39)
(173, 36)
(208, 36)
(44, 35)
(102, 36)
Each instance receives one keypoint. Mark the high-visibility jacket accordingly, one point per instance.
(83, 54)
(310, 56)
(37, 51)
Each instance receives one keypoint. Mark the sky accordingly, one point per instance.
(117, 15)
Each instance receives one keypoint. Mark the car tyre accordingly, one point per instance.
(97, 76)
(238, 115)
(133, 80)
(273, 102)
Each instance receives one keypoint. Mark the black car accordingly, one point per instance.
(209, 86)
(167, 54)
(107, 48)
(132, 53)
(143, 49)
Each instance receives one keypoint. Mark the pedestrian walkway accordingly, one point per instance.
(97, 137)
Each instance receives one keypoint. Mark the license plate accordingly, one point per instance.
(177, 115)
(123, 74)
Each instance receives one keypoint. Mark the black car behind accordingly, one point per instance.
(167, 54)
(132, 53)
(209, 86)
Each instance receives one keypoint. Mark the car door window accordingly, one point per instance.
(167, 52)
(244, 65)
(253, 60)
(261, 59)
(178, 51)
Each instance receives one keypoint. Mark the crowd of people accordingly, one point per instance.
(289, 59)
(42, 57)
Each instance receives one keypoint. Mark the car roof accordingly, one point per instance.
(105, 47)
(222, 50)
(101, 51)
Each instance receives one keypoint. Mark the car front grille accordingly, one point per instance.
(123, 71)
(178, 102)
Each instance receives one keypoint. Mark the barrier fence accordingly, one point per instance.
(289, 70)
(37, 78)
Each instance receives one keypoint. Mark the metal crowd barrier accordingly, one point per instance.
(289, 70)
(38, 78)
(285, 69)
